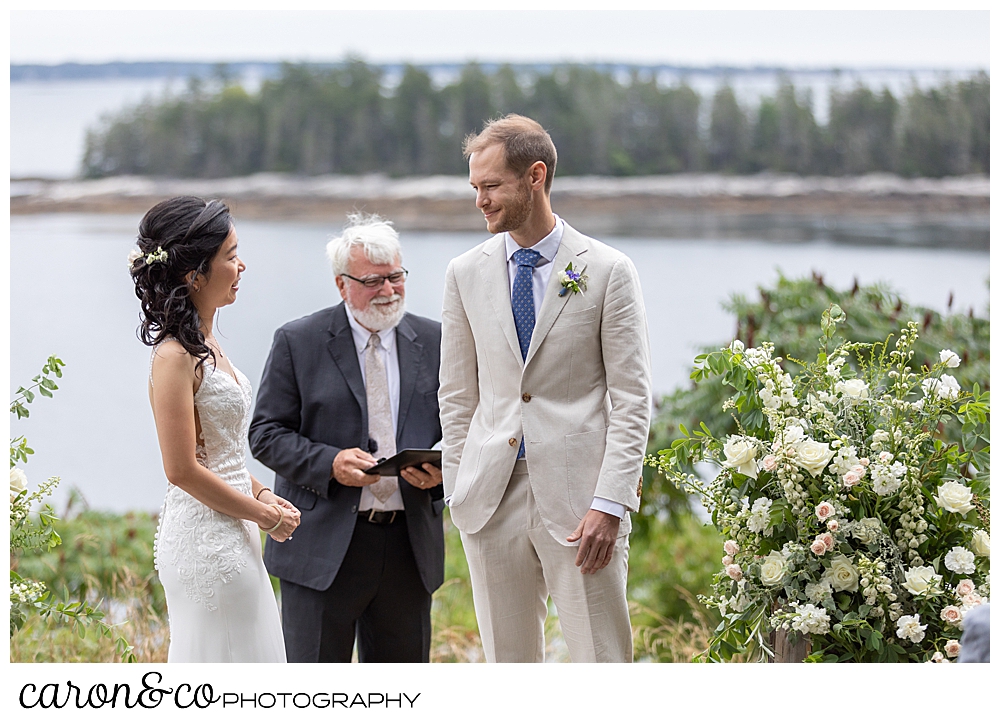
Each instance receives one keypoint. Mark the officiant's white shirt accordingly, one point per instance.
(547, 248)
(390, 362)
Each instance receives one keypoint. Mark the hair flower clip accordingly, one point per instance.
(572, 280)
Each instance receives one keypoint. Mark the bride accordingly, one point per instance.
(220, 604)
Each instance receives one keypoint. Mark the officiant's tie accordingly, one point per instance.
(522, 301)
(379, 414)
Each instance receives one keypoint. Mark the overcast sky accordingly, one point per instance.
(512, 31)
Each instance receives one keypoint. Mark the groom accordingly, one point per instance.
(340, 387)
(545, 407)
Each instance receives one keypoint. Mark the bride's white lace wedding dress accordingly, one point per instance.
(220, 603)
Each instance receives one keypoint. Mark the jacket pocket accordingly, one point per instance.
(584, 456)
(301, 498)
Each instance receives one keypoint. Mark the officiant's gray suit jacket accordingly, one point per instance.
(311, 404)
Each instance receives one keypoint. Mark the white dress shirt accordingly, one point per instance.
(540, 278)
(390, 361)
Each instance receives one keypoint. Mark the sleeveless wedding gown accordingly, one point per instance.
(220, 603)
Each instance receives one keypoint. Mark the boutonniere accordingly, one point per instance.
(572, 280)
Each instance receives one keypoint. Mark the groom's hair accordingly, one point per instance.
(371, 232)
(524, 142)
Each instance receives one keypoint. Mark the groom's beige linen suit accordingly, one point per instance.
(582, 401)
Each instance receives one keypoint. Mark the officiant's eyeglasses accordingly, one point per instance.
(374, 282)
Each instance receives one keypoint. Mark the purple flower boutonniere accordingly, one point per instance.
(572, 280)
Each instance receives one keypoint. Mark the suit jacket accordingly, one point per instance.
(310, 405)
(581, 398)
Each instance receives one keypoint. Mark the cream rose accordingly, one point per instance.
(818, 547)
(730, 547)
(769, 463)
(832, 525)
(921, 580)
(825, 509)
(18, 482)
(843, 575)
(741, 455)
(773, 569)
(952, 648)
(965, 587)
(735, 572)
(813, 456)
(954, 497)
(981, 543)
(952, 614)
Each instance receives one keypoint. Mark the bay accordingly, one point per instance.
(71, 296)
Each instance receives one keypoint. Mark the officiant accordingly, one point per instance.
(342, 387)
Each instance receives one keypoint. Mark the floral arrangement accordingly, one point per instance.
(572, 280)
(849, 520)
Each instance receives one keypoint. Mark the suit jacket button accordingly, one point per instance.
(526, 397)
(354, 508)
(512, 442)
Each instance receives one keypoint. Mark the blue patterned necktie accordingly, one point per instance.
(522, 301)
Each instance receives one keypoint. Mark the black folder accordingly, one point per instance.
(407, 458)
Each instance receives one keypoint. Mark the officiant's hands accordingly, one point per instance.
(597, 533)
(349, 467)
(422, 479)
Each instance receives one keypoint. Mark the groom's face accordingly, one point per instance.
(502, 195)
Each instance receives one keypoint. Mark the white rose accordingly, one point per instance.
(741, 455)
(960, 560)
(947, 387)
(922, 580)
(981, 543)
(954, 497)
(737, 347)
(18, 482)
(730, 547)
(866, 530)
(813, 456)
(773, 569)
(792, 435)
(950, 359)
(843, 575)
(854, 389)
(908, 627)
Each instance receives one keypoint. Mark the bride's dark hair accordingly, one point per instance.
(176, 237)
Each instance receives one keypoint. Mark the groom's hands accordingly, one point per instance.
(597, 533)
(349, 467)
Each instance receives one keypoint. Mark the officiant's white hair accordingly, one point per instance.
(373, 233)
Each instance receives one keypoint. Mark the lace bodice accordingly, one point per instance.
(204, 545)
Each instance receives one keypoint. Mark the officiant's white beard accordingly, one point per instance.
(383, 312)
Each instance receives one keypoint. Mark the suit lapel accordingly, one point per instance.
(411, 356)
(345, 355)
(571, 249)
(493, 268)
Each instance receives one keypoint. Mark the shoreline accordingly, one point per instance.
(685, 204)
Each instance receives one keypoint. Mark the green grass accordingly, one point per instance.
(108, 558)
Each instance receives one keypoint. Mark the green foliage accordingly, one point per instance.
(347, 120)
(33, 534)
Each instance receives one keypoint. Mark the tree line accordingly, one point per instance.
(351, 120)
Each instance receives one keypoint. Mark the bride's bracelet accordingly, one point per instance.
(281, 517)
(261, 491)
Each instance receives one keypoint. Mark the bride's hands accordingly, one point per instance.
(289, 520)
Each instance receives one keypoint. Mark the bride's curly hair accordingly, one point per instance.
(176, 237)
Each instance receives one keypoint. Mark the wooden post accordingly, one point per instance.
(785, 651)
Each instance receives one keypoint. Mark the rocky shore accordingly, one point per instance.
(681, 204)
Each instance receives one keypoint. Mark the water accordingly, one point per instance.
(71, 296)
